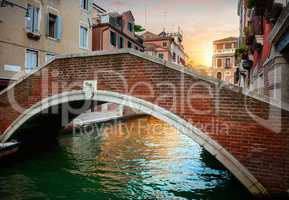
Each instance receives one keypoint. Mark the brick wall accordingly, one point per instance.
(221, 113)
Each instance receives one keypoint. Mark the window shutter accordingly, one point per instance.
(47, 25)
(58, 27)
(29, 19)
(85, 38)
(81, 37)
(89, 6)
(36, 20)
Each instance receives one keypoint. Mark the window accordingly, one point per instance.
(112, 38)
(12, 68)
(120, 42)
(228, 45)
(161, 55)
(119, 21)
(49, 57)
(129, 44)
(53, 26)
(31, 59)
(32, 21)
(83, 37)
(174, 56)
(130, 27)
(84, 4)
(228, 63)
(236, 62)
(219, 62)
(165, 44)
(219, 46)
(136, 48)
(219, 76)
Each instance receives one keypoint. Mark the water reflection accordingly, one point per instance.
(138, 159)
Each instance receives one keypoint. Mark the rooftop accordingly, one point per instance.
(228, 39)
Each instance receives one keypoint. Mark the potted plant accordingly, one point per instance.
(242, 52)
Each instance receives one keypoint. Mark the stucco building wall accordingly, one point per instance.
(14, 40)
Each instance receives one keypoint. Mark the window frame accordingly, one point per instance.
(130, 27)
(80, 38)
(84, 5)
(219, 46)
(113, 43)
(219, 77)
(27, 51)
(120, 42)
(33, 28)
(221, 62)
(226, 63)
(51, 55)
(55, 26)
(228, 45)
(129, 44)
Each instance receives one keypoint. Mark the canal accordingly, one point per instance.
(141, 158)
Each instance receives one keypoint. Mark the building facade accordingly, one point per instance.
(167, 46)
(263, 48)
(115, 31)
(34, 31)
(224, 62)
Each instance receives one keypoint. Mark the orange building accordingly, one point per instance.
(167, 46)
(224, 62)
(114, 30)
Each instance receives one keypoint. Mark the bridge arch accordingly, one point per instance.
(184, 127)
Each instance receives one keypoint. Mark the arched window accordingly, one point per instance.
(219, 76)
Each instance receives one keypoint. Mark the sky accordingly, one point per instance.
(202, 21)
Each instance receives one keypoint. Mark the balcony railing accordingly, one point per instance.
(224, 51)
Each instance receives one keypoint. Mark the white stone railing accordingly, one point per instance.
(224, 51)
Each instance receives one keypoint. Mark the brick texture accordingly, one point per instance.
(219, 112)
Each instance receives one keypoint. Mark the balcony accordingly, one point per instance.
(224, 51)
(279, 33)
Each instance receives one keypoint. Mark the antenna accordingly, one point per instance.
(146, 16)
(165, 20)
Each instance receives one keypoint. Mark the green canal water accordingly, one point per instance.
(138, 159)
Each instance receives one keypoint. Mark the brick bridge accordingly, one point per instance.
(247, 135)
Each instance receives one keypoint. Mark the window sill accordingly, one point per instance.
(53, 39)
(84, 48)
(84, 10)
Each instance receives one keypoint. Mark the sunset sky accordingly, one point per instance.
(202, 21)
